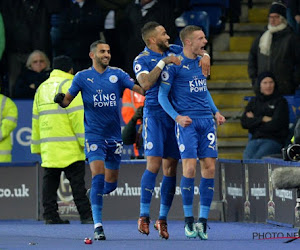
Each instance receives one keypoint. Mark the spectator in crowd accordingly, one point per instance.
(132, 114)
(132, 132)
(2, 36)
(27, 28)
(296, 137)
(294, 15)
(267, 118)
(8, 122)
(235, 10)
(79, 23)
(37, 71)
(277, 50)
(138, 13)
(58, 136)
(113, 10)
(2, 46)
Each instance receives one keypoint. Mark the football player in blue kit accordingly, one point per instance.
(189, 105)
(101, 87)
(158, 128)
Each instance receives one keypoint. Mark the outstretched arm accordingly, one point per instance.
(63, 100)
(138, 89)
(147, 80)
(163, 99)
(220, 119)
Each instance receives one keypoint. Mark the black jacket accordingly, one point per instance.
(295, 7)
(297, 132)
(27, 25)
(283, 62)
(78, 28)
(161, 12)
(26, 78)
(274, 106)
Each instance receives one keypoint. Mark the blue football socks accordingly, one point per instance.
(147, 189)
(206, 196)
(167, 194)
(187, 192)
(109, 187)
(97, 197)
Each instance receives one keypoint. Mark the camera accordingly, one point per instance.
(291, 152)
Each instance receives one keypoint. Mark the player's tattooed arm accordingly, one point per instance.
(149, 79)
(138, 89)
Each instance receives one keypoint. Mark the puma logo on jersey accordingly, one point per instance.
(186, 67)
(90, 79)
(211, 188)
(212, 147)
(153, 60)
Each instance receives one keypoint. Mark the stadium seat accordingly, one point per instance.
(198, 18)
(215, 10)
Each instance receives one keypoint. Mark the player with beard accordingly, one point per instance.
(158, 127)
(101, 87)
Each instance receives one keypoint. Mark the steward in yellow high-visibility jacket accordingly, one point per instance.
(57, 133)
(8, 122)
(58, 136)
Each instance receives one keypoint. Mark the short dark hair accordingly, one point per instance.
(64, 63)
(147, 28)
(187, 31)
(95, 44)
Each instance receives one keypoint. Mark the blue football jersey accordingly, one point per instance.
(146, 62)
(101, 95)
(188, 91)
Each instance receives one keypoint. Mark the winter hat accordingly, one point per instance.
(279, 8)
(264, 75)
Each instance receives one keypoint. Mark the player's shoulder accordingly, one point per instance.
(142, 55)
(116, 70)
(174, 67)
(84, 72)
(175, 49)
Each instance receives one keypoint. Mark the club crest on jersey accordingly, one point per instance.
(113, 78)
(93, 147)
(165, 76)
(137, 68)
